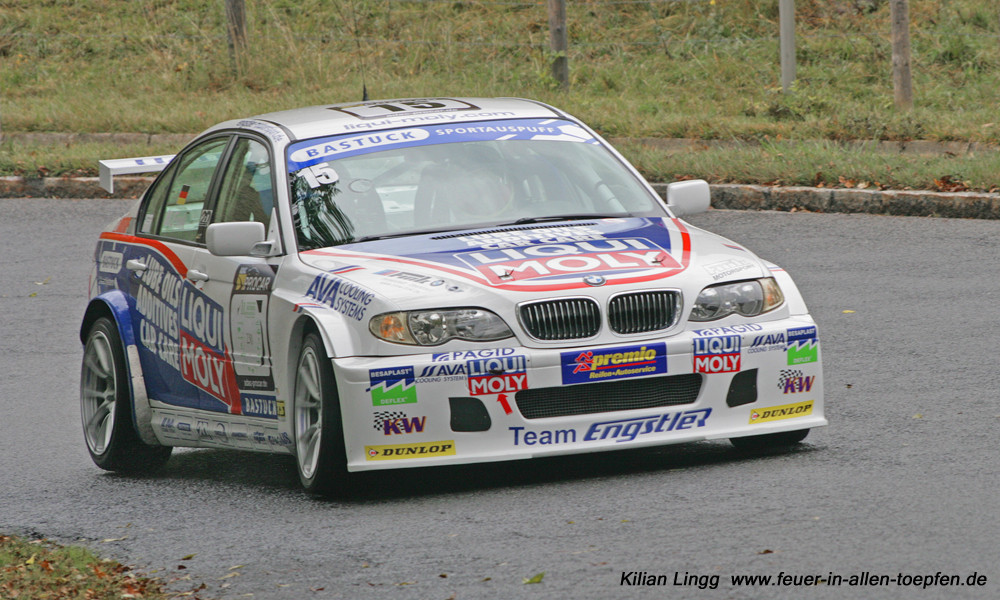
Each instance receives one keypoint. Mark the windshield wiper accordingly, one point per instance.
(386, 236)
(563, 218)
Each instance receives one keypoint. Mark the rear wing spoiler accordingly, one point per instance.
(130, 166)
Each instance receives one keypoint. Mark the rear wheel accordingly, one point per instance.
(106, 406)
(319, 431)
(770, 440)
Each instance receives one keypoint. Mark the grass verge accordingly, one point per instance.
(705, 69)
(43, 570)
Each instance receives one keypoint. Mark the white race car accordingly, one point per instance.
(413, 283)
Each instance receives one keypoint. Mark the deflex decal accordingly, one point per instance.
(505, 265)
(803, 345)
(392, 386)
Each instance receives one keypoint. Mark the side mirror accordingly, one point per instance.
(688, 197)
(235, 238)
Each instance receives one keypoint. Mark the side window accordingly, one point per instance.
(246, 193)
(175, 207)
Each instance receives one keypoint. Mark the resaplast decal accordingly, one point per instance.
(613, 363)
(392, 386)
(803, 345)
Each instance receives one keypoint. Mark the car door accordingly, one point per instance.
(167, 314)
(240, 286)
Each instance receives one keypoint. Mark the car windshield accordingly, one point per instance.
(358, 187)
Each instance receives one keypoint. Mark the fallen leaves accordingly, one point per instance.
(43, 570)
(947, 183)
(534, 579)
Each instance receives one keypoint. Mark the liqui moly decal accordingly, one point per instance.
(201, 318)
(719, 354)
(547, 267)
(497, 375)
(506, 265)
(210, 371)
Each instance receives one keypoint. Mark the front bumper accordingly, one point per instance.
(515, 403)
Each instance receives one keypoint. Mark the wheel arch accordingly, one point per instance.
(114, 306)
(305, 324)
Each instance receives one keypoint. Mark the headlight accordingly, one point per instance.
(747, 298)
(433, 327)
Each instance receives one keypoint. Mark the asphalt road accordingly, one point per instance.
(903, 481)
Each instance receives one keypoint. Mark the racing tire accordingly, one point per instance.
(106, 406)
(769, 440)
(320, 454)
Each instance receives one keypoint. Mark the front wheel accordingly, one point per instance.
(106, 406)
(319, 431)
(770, 440)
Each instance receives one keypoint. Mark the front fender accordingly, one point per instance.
(113, 304)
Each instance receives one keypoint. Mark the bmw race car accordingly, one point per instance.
(412, 283)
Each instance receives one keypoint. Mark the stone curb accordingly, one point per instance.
(71, 187)
(962, 205)
(913, 203)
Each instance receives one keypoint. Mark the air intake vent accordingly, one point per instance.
(608, 396)
(643, 311)
(563, 319)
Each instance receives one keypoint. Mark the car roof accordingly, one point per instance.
(333, 119)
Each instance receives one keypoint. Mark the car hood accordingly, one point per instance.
(614, 254)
